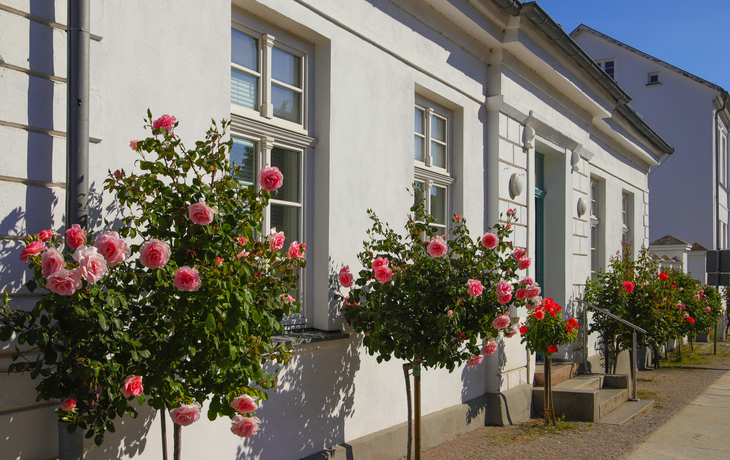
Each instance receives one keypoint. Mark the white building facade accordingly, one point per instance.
(336, 93)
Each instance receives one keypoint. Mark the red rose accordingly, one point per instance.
(552, 349)
(523, 330)
(663, 276)
(629, 286)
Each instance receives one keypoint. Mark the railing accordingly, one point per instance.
(635, 369)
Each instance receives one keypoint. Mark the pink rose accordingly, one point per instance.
(276, 239)
(380, 262)
(707, 309)
(458, 217)
(527, 281)
(202, 214)
(52, 261)
(295, 250)
(383, 274)
(64, 282)
(132, 386)
(697, 297)
(242, 240)
(552, 349)
(243, 253)
(75, 236)
(504, 299)
(46, 235)
(437, 247)
(474, 361)
(32, 249)
(165, 121)
(510, 212)
(512, 331)
(533, 291)
(521, 293)
(113, 248)
(245, 427)
(155, 254)
(92, 265)
(474, 288)
(67, 405)
(519, 253)
(118, 174)
(702, 292)
(685, 315)
(187, 279)
(345, 277)
(508, 226)
(489, 348)
(489, 240)
(270, 178)
(503, 288)
(186, 414)
(244, 404)
(133, 144)
(218, 261)
(450, 313)
(522, 264)
(502, 321)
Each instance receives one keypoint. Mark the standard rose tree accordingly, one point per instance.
(429, 300)
(174, 308)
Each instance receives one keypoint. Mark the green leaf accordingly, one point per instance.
(103, 322)
(140, 400)
(210, 322)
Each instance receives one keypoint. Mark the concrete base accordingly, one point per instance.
(512, 406)
(596, 364)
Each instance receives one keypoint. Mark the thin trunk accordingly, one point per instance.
(679, 348)
(406, 369)
(549, 409)
(178, 442)
(417, 408)
(164, 433)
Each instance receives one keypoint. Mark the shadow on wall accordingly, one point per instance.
(129, 439)
(314, 397)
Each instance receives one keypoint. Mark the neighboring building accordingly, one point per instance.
(689, 196)
(337, 92)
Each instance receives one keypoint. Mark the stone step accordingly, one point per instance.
(626, 412)
(610, 399)
(582, 382)
(560, 372)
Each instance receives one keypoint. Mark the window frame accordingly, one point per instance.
(626, 214)
(595, 222)
(425, 172)
(603, 63)
(649, 82)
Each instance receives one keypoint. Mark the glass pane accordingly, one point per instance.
(420, 147)
(438, 155)
(539, 172)
(286, 67)
(438, 129)
(419, 121)
(438, 204)
(418, 195)
(286, 103)
(288, 163)
(244, 89)
(243, 154)
(286, 219)
(244, 50)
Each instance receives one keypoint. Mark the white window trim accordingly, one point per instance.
(595, 223)
(626, 221)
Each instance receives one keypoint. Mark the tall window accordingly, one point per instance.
(608, 66)
(723, 159)
(595, 227)
(432, 157)
(267, 75)
(625, 218)
(268, 98)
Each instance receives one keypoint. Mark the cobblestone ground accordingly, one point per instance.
(673, 386)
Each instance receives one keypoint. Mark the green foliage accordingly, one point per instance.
(545, 327)
(425, 313)
(186, 346)
(702, 303)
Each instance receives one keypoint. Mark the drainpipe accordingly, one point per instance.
(71, 445)
(718, 227)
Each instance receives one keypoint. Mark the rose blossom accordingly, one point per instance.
(522, 264)
(67, 405)
(64, 282)
(52, 261)
(502, 321)
(474, 360)
(132, 386)
(539, 314)
(32, 249)
(503, 288)
(75, 236)
(345, 277)
(133, 144)
(519, 253)
(380, 262)
(245, 427)
(186, 414)
(295, 250)
(202, 214)
(165, 121)
(270, 178)
(552, 349)
(513, 330)
(504, 299)
(383, 274)
(489, 348)
(457, 217)
(629, 286)
(437, 247)
(527, 281)
(244, 404)
(523, 330)
(276, 239)
(92, 265)
(187, 279)
(697, 297)
(690, 320)
(474, 288)
(114, 249)
(46, 235)
(663, 276)
(521, 293)
(707, 309)
(450, 313)
(242, 240)
(155, 254)
(510, 212)
(533, 291)
(218, 261)
(489, 240)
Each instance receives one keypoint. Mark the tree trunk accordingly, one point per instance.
(548, 397)
(164, 433)
(406, 369)
(178, 442)
(417, 409)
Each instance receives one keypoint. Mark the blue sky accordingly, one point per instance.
(690, 34)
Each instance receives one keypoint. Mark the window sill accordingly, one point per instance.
(651, 85)
(309, 335)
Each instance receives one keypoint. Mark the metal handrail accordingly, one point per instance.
(636, 328)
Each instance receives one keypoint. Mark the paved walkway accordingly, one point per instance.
(699, 431)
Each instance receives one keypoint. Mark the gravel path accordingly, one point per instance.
(671, 388)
